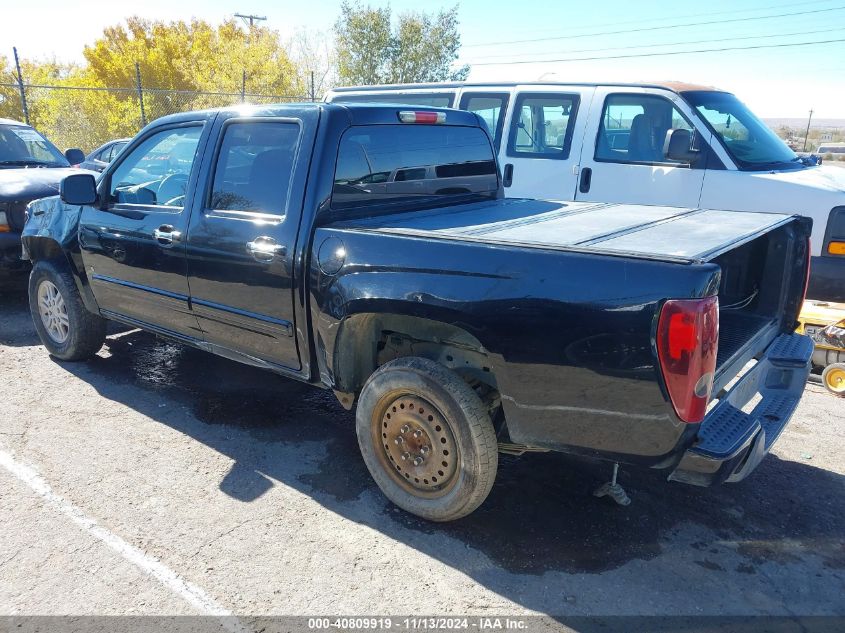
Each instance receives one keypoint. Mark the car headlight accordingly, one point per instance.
(4, 221)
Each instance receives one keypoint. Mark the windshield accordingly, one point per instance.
(22, 146)
(748, 140)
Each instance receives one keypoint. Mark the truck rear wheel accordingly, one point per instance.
(66, 328)
(427, 439)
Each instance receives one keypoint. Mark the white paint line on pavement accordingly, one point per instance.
(190, 592)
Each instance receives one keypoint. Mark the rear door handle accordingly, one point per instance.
(586, 179)
(265, 249)
(165, 235)
(507, 175)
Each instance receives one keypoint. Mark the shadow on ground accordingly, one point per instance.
(540, 515)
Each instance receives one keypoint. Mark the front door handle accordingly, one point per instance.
(265, 249)
(165, 235)
(586, 179)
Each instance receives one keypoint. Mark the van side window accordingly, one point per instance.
(490, 107)
(634, 126)
(541, 125)
(254, 167)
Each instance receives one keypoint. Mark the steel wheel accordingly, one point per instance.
(834, 378)
(53, 312)
(417, 444)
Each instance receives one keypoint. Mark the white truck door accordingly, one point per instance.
(541, 141)
(622, 158)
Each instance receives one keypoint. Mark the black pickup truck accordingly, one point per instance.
(368, 249)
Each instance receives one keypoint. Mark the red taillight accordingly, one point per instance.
(422, 117)
(807, 271)
(687, 343)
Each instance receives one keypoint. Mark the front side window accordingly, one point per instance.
(490, 107)
(749, 141)
(254, 167)
(413, 164)
(21, 146)
(541, 125)
(156, 172)
(633, 128)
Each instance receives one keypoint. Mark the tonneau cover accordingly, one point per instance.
(654, 232)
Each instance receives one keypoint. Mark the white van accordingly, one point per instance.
(664, 144)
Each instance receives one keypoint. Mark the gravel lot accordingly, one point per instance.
(218, 488)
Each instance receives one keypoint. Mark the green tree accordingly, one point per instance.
(421, 48)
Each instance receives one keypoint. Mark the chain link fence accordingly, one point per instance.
(86, 117)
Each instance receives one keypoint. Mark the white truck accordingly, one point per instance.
(657, 144)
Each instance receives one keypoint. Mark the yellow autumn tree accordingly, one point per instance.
(99, 100)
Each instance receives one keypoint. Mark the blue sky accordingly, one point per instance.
(775, 82)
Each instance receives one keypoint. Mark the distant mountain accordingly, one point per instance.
(802, 123)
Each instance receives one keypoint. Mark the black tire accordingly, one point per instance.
(455, 475)
(86, 331)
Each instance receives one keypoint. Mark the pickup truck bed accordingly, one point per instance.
(661, 234)
(594, 369)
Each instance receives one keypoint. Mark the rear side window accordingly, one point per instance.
(254, 167)
(491, 108)
(432, 99)
(414, 164)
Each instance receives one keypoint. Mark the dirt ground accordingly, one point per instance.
(156, 479)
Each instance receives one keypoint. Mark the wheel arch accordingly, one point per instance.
(365, 341)
(40, 248)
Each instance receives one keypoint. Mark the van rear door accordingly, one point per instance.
(623, 159)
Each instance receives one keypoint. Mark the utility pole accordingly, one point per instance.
(140, 93)
(20, 87)
(252, 19)
(807, 133)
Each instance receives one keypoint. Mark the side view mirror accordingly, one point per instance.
(78, 189)
(678, 146)
(75, 156)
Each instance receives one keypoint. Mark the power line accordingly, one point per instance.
(791, 5)
(626, 48)
(702, 50)
(660, 28)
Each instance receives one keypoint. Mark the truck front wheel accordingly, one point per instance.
(427, 439)
(66, 328)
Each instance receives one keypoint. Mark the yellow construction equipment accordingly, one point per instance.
(824, 322)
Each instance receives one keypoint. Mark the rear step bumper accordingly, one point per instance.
(730, 442)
